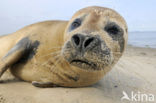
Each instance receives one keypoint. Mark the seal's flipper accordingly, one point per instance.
(14, 54)
(3, 68)
(43, 84)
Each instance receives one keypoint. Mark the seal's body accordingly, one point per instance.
(71, 53)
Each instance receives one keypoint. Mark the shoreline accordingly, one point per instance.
(131, 45)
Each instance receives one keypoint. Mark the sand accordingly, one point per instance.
(135, 72)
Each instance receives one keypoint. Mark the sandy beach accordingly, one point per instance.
(135, 72)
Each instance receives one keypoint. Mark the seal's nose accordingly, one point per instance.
(76, 39)
(82, 41)
(88, 42)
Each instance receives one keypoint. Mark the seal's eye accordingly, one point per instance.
(76, 24)
(112, 29)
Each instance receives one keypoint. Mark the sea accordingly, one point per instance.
(142, 39)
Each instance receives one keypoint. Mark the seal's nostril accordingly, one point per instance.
(76, 39)
(88, 41)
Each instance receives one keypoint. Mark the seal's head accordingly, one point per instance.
(95, 38)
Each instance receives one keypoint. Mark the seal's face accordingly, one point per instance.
(94, 38)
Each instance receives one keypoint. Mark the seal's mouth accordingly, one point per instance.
(81, 61)
(83, 64)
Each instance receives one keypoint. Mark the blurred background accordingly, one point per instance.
(140, 15)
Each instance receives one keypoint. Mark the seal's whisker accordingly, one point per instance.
(55, 57)
(55, 52)
(46, 62)
(50, 54)
(56, 62)
(58, 52)
(55, 47)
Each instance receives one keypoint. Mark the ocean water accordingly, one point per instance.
(142, 39)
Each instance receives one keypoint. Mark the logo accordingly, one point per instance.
(140, 97)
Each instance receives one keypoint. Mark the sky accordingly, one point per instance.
(140, 15)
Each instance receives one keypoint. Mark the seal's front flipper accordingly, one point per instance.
(43, 84)
(3, 68)
(14, 54)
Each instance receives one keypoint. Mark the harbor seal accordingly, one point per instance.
(73, 53)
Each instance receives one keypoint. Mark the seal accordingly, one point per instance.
(73, 53)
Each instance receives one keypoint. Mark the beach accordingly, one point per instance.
(135, 72)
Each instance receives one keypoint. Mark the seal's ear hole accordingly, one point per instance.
(76, 23)
(112, 28)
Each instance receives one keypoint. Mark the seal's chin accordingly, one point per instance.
(84, 64)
